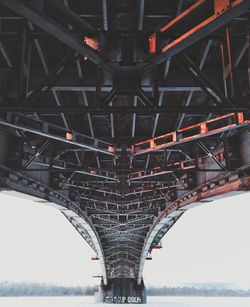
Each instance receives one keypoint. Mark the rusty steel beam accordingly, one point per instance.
(191, 133)
(223, 12)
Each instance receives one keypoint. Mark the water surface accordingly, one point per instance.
(152, 301)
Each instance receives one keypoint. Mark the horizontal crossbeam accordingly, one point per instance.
(146, 110)
(191, 133)
(47, 130)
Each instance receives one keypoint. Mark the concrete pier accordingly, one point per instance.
(124, 291)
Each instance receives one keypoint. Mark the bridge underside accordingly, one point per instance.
(124, 113)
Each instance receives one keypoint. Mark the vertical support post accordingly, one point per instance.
(155, 85)
(226, 54)
(127, 50)
(24, 64)
(244, 148)
(226, 154)
(248, 40)
(98, 86)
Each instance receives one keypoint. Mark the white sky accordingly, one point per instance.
(209, 243)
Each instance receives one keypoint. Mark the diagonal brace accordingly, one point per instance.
(210, 154)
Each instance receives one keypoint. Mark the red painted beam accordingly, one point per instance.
(191, 133)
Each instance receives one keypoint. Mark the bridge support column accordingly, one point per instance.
(244, 147)
(4, 147)
(124, 291)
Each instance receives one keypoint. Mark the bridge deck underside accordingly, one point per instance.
(82, 102)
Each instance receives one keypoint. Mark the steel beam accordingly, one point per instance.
(218, 19)
(57, 31)
(191, 133)
(187, 101)
(211, 155)
(74, 18)
(12, 106)
(57, 133)
(194, 71)
(37, 154)
(53, 76)
(105, 14)
(24, 72)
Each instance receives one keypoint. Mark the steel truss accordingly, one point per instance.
(57, 133)
(193, 132)
(223, 12)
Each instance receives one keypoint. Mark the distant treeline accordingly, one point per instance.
(190, 291)
(37, 289)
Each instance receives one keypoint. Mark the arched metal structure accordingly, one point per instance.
(124, 114)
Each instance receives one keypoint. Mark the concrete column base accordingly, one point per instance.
(124, 291)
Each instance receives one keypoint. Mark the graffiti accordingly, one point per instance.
(122, 299)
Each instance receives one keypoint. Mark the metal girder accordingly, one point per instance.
(133, 176)
(106, 228)
(5, 55)
(109, 97)
(37, 154)
(161, 96)
(189, 66)
(45, 129)
(147, 110)
(187, 101)
(211, 155)
(107, 88)
(40, 52)
(141, 15)
(104, 211)
(93, 188)
(145, 99)
(227, 65)
(73, 18)
(127, 240)
(55, 30)
(122, 203)
(24, 73)
(241, 52)
(105, 15)
(105, 220)
(52, 76)
(145, 188)
(191, 133)
(122, 233)
(219, 17)
(110, 263)
(63, 167)
(123, 253)
(121, 246)
(180, 166)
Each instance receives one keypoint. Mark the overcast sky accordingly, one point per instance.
(209, 243)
